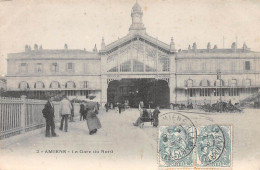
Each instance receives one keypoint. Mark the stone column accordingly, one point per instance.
(173, 78)
(104, 87)
(172, 87)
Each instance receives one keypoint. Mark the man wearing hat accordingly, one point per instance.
(48, 114)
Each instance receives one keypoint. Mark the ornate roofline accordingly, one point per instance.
(130, 37)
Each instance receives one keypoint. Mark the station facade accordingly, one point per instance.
(138, 67)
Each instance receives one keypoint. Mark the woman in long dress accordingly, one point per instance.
(92, 120)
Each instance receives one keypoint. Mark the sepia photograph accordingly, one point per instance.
(130, 84)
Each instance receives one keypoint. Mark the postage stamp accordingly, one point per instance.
(176, 144)
(214, 146)
(182, 144)
(177, 140)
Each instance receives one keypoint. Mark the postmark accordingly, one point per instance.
(214, 146)
(176, 142)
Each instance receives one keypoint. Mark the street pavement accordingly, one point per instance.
(120, 145)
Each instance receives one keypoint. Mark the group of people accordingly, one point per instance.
(66, 111)
(145, 115)
(88, 111)
(118, 107)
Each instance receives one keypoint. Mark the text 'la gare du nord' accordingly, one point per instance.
(76, 151)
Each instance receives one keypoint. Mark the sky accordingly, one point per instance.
(82, 23)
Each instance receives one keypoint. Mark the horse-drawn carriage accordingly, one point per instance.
(146, 116)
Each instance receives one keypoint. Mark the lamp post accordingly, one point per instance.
(186, 88)
(220, 89)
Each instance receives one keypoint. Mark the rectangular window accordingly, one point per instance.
(233, 67)
(219, 91)
(247, 65)
(203, 67)
(23, 67)
(192, 92)
(125, 67)
(70, 67)
(54, 67)
(85, 84)
(205, 92)
(233, 92)
(138, 66)
(164, 64)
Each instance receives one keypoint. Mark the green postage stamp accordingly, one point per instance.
(201, 147)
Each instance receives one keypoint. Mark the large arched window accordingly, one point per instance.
(248, 82)
(204, 83)
(39, 85)
(70, 85)
(23, 85)
(189, 83)
(233, 82)
(55, 85)
(219, 82)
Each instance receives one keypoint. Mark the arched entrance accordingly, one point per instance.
(150, 91)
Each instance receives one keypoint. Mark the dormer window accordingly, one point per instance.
(38, 68)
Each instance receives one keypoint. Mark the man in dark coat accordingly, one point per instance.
(155, 116)
(107, 107)
(82, 112)
(48, 114)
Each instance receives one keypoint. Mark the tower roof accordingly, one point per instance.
(137, 8)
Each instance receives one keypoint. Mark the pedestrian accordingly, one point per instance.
(119, 107)
(116, 107)
(72, 113)
(141, 107)
(48, 114)
(92, 119)
(82, 111)
(106, 106)
(65, 111)
(155, 116)
(97, 106)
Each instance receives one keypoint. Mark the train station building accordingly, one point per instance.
(137, 67)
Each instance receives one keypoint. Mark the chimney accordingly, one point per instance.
(35, 47)
(103, 45)
(234, 47)
(172, 45)
(244, 47)
(189, 48)
(26, 48)
(95, 48)
(65, 46)
(209, 47)
(194, 47)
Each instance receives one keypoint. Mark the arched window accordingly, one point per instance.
(55, 85)
(247, 82)
(39, 85)
(70, 85)
(219, 82)
(23, 85)
(204, 83)
(233, 82)
(189, 83)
